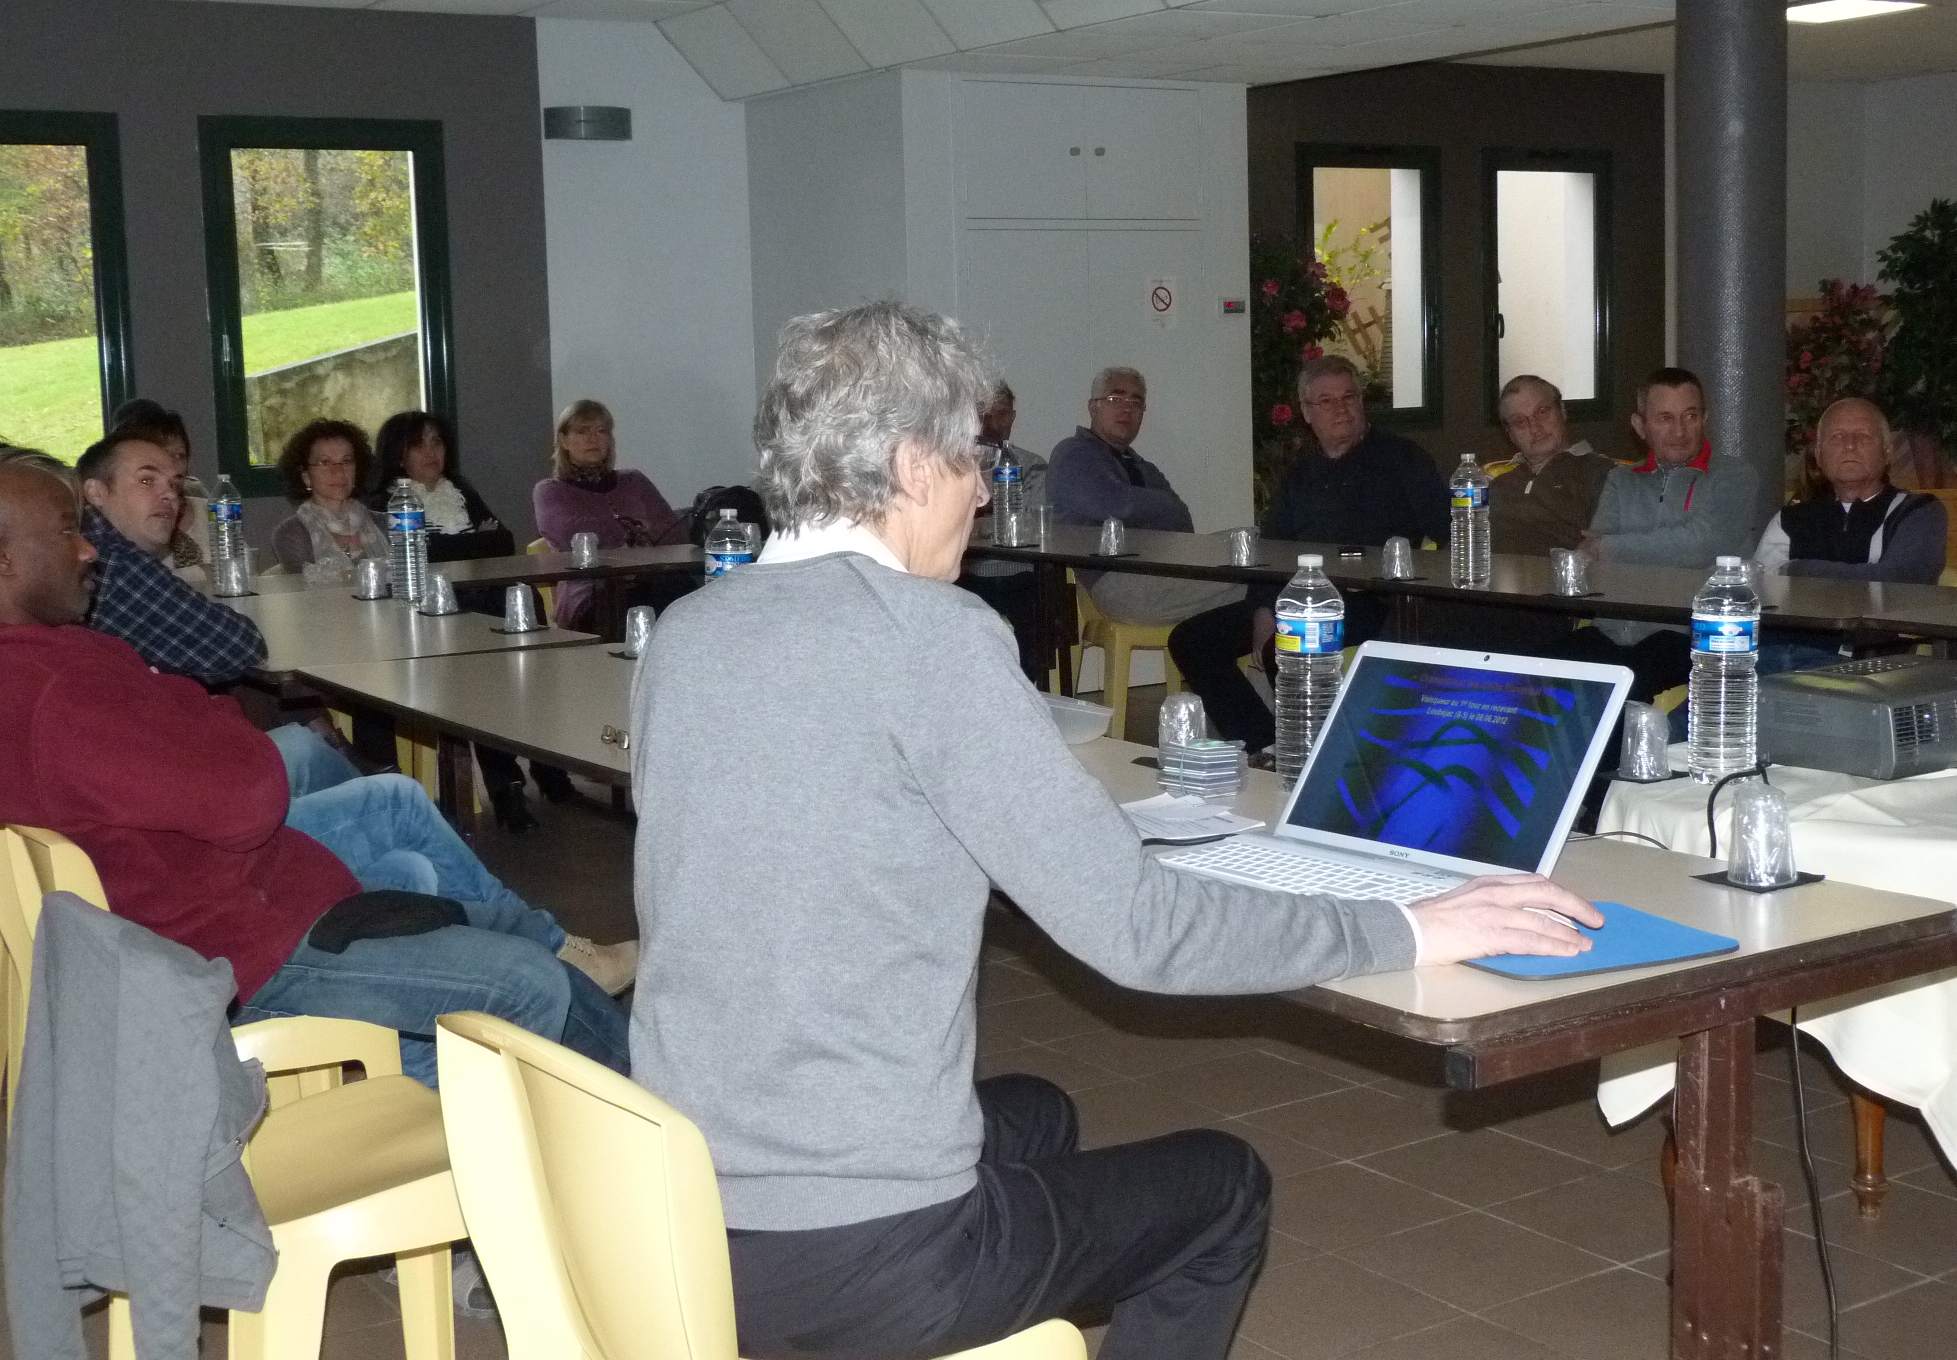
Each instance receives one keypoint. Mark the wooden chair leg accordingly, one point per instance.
(1870, 1183)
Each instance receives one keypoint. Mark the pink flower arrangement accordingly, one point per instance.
(1282, 415)
(1271, 288)
(1311, 352)
(1293, 322)
(1296, 309)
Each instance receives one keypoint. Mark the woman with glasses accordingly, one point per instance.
(324, 466)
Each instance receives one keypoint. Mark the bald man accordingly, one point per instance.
(1861, 527)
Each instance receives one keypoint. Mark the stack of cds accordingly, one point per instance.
(1212, 770)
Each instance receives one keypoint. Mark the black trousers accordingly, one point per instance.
(1206, 648)
(1657, 663)
(1168, 1233)
(1017, 598)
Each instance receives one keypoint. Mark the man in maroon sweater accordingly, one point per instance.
(182, 806)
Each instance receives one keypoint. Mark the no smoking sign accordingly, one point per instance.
(1160, 301)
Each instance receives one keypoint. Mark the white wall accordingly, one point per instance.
(1909, 138)
(1825, 180)
(825, 174)
(650, 294)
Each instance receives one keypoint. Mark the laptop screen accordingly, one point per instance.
(1472, 763)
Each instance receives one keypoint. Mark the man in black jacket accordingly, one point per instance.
(1360, 484)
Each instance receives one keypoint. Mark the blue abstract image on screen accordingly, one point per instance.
(1453, 760)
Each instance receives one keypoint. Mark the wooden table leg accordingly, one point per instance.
(1870, 1183)
(455, 772)
(1726, 1222)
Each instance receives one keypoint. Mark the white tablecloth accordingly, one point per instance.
(1899, 1041)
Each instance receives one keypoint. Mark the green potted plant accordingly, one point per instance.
(1295, 307)
(1835, 353)
(1919, 374)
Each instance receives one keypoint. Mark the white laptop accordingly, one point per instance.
(1434, 766)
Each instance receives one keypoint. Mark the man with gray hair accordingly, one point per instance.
(1095, 474)
(1543, 497)
(810, 1004)
(1358, 484)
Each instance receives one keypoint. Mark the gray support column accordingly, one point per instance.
(1730, 87)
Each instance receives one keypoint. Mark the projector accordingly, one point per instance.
(1885, 717)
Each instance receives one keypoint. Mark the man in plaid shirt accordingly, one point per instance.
(133, 494)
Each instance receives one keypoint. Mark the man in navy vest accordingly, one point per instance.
(1858, 526)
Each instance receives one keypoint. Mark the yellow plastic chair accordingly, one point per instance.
(593, 1206)
(325, 1206)
(1118, 643)
(546, 595)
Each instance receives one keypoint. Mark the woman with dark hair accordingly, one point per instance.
(586, 494)
(142, 418)
(420, 446)
(324, 466)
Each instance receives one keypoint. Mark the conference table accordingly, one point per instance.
(565, 705)
(326, 625)
(1898, 1041)
(1798, 946)
(1517, 581)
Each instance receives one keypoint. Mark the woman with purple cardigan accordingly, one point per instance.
(586, 494)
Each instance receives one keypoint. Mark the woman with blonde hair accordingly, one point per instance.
(585, 493)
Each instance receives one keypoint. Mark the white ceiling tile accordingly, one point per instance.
(989, 64)
(1087, 44)
(723, 53)
(979, 23)
(1450, 42)
(1295, 9)
(1252, 74)
(1137, 65)
(314, 4)
(1074, 13)
(1567, 21)
(799, 37)
(455, 6)
(1401, 21)
(890, 32)
(614, 9)
(1181, 25)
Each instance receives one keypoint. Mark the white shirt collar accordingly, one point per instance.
(820, 540)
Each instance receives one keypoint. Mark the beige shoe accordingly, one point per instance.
(611, 966)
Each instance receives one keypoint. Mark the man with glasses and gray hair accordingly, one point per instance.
(810, 1002)
(1095, 474)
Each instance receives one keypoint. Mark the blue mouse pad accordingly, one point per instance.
(1629, 938)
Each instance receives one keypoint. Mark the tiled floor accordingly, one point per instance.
(1409, 1223)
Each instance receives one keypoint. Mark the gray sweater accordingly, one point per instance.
(833, 761)
(1672, 517)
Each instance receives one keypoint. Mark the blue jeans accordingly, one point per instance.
(384, 829)
(311, 763)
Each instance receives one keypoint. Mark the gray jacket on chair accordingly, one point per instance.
(123, 1168)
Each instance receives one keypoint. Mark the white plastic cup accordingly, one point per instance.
(584, 549)
(1644, 756)
(1763, 839)
(1114, 537)
(1396, 559)
(638, 629)
(519, 610)
(1569, 571)
(370, 579)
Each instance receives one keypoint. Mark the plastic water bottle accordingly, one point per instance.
(1008, 500)
(729, 544)
(1469, 544)
(1722, 725)
(1310, 639)
(227, 516)
(407, 541)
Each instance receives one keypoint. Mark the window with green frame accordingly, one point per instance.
(64, 280)
(326, 246)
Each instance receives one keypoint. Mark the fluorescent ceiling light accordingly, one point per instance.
(1836, 11)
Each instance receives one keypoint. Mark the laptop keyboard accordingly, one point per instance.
(1261, 866)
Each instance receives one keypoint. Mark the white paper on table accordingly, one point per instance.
(1183, 817)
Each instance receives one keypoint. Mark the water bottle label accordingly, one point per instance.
(1713, 634)
(405, 521)
(719, 564)
(1006, 472)
(226, 512)
(1313, 637)
(1470, 497)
